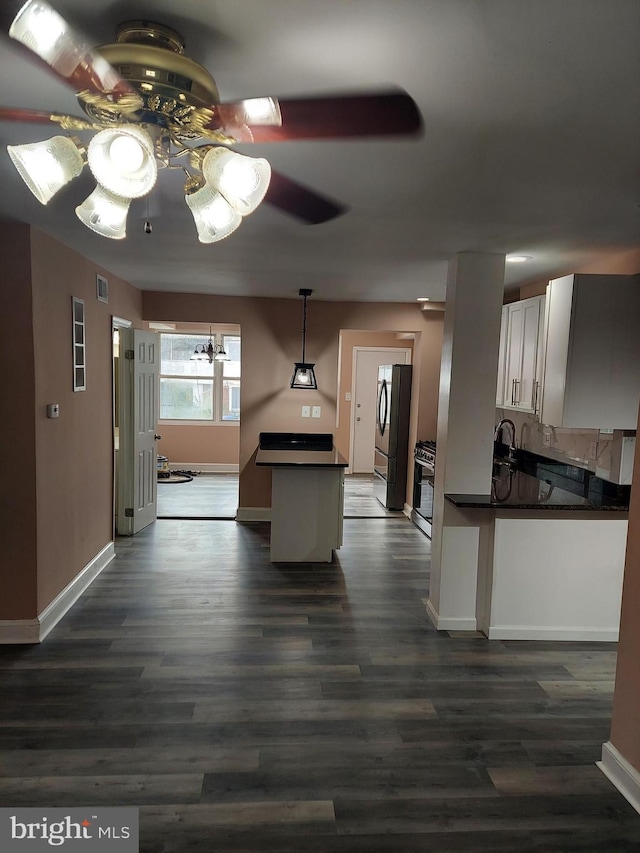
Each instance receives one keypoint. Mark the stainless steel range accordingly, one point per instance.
(424, 456)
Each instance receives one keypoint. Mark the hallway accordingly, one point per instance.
(251, 707)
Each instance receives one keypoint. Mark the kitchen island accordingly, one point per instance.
(553, 559)
(307, 495)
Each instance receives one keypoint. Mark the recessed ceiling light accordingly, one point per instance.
(423, 298)
(518, 259)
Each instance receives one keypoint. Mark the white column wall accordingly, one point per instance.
(466, 419)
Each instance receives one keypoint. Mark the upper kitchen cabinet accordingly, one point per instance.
(520, 361)
(592, 352)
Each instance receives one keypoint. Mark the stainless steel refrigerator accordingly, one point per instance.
(393, 405)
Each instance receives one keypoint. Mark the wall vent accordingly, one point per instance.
(102, 288)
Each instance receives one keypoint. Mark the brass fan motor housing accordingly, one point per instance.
(149, 56)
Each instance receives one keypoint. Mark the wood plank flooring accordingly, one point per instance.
(250, 707)
(215, 496)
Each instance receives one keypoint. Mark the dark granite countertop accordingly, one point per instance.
(546, 487)
(301, 458)
(298, 449)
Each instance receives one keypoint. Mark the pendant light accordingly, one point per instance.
(304, 376)
(210, 353)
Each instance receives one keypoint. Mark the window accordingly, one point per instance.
(193, 390)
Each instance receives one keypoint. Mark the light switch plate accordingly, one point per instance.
(315, 412)
(306, 411)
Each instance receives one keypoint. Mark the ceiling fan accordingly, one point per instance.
(150, 106)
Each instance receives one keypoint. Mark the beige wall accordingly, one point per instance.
(66, 464)
(18, 555)
(625, 728)
(271, 341)
(200, 444)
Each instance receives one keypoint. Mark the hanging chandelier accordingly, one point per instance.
(210, 352)
(304, 376)
(157, 129)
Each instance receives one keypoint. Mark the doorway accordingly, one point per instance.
(366, 361)
(199, 420)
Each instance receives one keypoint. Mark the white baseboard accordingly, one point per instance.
(205, 467)
(620, 773)
(535, 632)
(19, 631)
(407, 510)
(253, 513)
(449, 623)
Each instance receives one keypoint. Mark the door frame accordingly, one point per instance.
(121, 459)
(354, 359)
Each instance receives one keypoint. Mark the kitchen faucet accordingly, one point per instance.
(512, 446)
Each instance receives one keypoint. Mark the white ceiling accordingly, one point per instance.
(531, 111)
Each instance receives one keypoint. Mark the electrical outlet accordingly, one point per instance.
(593, 449)
(306, 411)
(315, 412)
(546, 438)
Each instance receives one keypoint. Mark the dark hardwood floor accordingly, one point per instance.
(250, 707)
(216, 496)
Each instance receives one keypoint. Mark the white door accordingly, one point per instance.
(140, 362)
(146, 366)
(363, 401)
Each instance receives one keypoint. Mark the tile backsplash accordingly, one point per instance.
(588, 449)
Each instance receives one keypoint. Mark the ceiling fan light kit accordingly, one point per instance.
(47, 166)
(242, 180)
(151, 106)
(105, 213)
(214, 217)
(123, 161)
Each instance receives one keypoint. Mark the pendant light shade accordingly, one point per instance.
(105, 213)
(47, 166)
(122, 159)
(214, 217)
(242, 180)
(304, 377)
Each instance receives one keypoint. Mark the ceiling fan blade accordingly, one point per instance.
(301, 202)
(391, 113)
(38, 27)
(43, 117)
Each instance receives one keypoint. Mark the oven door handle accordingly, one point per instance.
(427, 465)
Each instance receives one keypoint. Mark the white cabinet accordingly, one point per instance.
(520, 357)
(307, 507)
(592, 352)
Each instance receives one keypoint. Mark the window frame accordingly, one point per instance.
(216, 375)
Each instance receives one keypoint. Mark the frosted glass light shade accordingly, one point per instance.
(40, 28)
(47, 166)
(214, 217)
(105, 213)
(122, 159)
(242, 180)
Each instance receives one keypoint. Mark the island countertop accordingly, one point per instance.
(294, 450)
